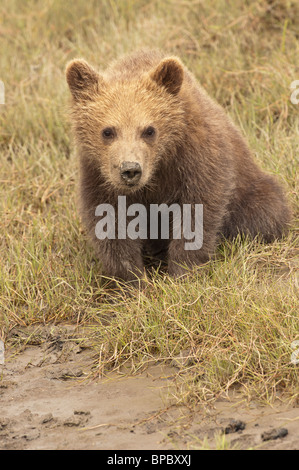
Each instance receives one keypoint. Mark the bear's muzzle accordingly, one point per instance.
(130, 172)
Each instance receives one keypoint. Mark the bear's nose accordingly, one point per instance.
(130, 172)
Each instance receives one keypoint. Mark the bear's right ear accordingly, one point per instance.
(82, 80)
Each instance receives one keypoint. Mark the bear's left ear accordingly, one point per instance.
(169, 74)
(82, 79)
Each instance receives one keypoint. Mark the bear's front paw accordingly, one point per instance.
(177, 270)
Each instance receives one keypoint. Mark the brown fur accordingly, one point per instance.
(196, 157)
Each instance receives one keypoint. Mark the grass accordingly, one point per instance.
(235, 318)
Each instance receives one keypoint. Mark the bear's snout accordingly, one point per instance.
(130, 172)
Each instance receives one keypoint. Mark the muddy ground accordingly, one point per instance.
(50, 398)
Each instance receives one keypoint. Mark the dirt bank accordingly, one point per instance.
(48, 400)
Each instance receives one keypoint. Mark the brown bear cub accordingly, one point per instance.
(146, 130)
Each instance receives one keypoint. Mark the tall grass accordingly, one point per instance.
(235, 318)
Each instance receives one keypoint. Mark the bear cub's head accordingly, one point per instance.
(126, 123)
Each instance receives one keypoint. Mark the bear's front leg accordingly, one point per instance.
(121, 259)
(180, 259)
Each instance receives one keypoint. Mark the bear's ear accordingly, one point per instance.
(82, 79)
(169, 74)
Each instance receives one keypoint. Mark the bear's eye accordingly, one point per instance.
(108, 133)
(149, 132)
